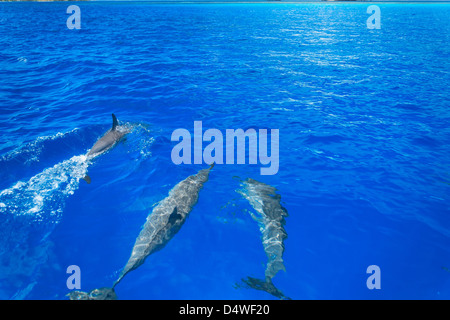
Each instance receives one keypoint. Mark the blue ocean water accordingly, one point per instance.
(363, 116)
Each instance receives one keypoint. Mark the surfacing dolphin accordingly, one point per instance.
(106, 142)
(270, 216)
(162, 224)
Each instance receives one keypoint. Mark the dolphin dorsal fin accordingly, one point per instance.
(115, 122)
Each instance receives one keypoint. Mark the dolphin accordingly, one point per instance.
(106, 142)
(270, 218)
(96, 294)
(162, 224)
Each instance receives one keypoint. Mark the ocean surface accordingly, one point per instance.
(364, 146)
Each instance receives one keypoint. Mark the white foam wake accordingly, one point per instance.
(43, 196)
(33, 150)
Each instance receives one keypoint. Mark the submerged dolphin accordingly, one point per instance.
(106, 142)
(270, 217)
(162, 224)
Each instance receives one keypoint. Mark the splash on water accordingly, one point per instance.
(32, 151)
(43, 196)
(29, 210)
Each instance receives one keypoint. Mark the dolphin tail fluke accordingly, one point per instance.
(115, 122)
(96, 294)
(118, 280)
(264, 285)
(87, 179)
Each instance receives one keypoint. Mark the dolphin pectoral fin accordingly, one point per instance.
(115, 122)
(87, 179)
(174, 216)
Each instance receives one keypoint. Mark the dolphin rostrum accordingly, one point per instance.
(162, 224)
(106, 142)
(270, 218)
